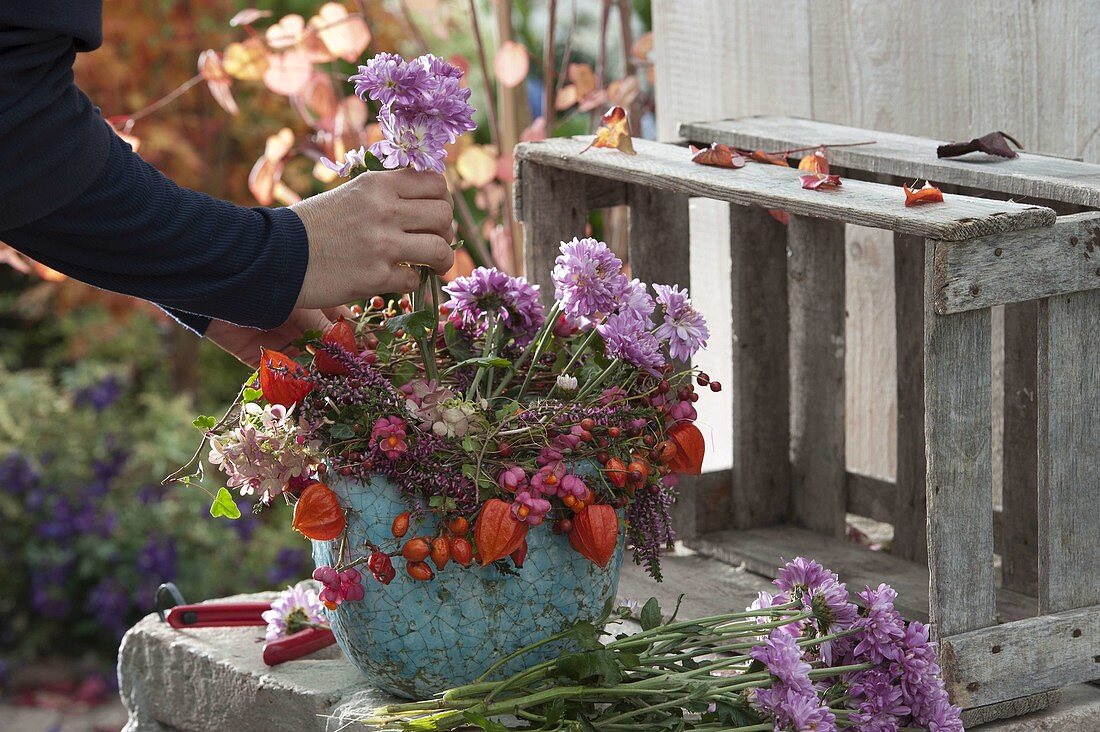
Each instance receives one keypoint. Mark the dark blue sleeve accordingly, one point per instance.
(106, 217)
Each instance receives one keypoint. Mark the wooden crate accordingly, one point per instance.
(1005, 647)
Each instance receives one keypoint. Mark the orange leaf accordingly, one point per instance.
(497, 533)
(927, 194)
(288, 73)
(614, 132)
(814, 181)
(217, 80)
(477, 165)
(815, 163)
(717, 155)
(318, 514)
(690, 447)
(280, 378)
(781, 216)
(623, 92)
(463, 266)
(345, 36)
(642, 47)
(595, 533)
(265, 180)
(246, 61)
(511, 64)
(566, 97)
(766, 157)
(583, 77)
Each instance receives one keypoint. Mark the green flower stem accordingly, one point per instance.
(599, 380)
(487, 351)
(534, 350)
(581, 349)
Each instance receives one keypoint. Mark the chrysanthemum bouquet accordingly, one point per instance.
(491, 412)
(804, 659)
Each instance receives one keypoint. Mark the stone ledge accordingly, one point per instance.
(214, 679)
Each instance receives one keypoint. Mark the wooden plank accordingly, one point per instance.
(1020, 266)
(1024, 657)
(764, 550)
(910, 529)
(815, 296)
(551, 204)
(1020, 522)
(1008, 709)
(871, 497)
(660, 251)
(760, 491)
(1038, 176)
(957, 428)
(669, 167)
(1069, 460)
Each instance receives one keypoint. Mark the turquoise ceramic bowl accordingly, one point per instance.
(415, 639)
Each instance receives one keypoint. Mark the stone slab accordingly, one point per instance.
(214, 679)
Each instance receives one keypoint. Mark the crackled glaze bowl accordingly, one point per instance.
(414, 639)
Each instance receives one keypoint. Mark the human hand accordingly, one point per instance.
(363, 233)
(245, 343)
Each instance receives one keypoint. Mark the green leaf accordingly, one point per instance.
(592, 667)
(250, 395)
(457, 345)
(416, 324)
(482, 722)
(224, 505)
(554, 714)
(204, 423)
(341, 431)
(469, 470)
(496, 362)
(586, 726)
(651, 614)
(445, 502)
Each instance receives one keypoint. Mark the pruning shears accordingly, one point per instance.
(239, 614)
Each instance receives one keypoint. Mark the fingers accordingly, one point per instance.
(304, 320)
(427, 217)
(334, 314)
(431, 250)
(405, 279)
(412, 185)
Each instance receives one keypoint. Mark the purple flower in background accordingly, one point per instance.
(157, 559)
(109, 604)
(781, 654)
(415, 142)
(289, 564)
(388, 79)
(485, 291)
(626, 337)
(588, 278)
(352, 158)
(17, 476)
(880, 703)
(296, 608)
(684, 327)
(101, 395)
(882, 628)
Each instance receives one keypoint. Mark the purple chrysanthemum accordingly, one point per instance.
(765, 599)
(880, 701)
(803, 574)
(448, 103)
(684, 327)
(943, 717)
(489, 291)
(781, 654)
(415, 142)
(636, 301)
(588, 278)
(803, 713)
(389, 79)
(351, 159)
(296, 608)
(627, 338)
(882, 629)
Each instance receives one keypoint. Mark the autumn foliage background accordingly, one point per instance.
(96, 389)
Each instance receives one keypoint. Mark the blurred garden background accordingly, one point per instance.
(98, 391)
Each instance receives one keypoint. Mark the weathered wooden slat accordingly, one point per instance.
(815, 296)
(1023, 265)
(1038, 176)
(910, 529)
(1024, 657)
(760, 492)
(871, 497)
(957, 428)
(1020, 523)
(669, 167)
(660, 251)
(1008, 709)
(1069, 452)
(764, 550)
(551, 204)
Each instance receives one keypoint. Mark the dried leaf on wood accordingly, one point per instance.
(927, 194)
(717, 155)
(781, 216)
(995, 143)
(614, 132)
(817, 162)
(766, 157)
(816, 181)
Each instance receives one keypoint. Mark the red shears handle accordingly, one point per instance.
(302, 643)
(217, 614)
